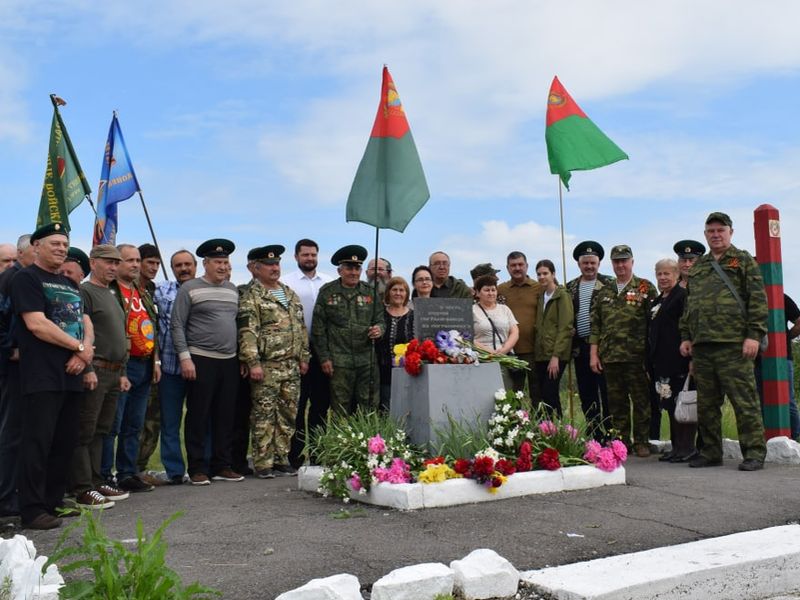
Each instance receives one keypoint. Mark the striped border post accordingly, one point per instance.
(774, 366)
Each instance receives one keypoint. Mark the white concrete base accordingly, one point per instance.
(484, 574)
(783, 451)
(416, 582)
(742, 566)
(335, 587)
(413, 496)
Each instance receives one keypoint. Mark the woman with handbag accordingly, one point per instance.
(668, 367)
(496, 329)
(553, 338)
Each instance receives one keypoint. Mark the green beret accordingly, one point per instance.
(483, 269)
(79, 256)
(353, 254)
(720, 217)
(48, 230)
(270, 255)
(689, 249)
(588, 248)
(216, 248)
(620, 252)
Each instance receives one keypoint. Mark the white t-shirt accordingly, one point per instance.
(503, 320)
(306, 289)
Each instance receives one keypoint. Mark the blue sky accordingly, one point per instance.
(247, 119)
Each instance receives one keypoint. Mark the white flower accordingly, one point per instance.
(529, 435)
(362, 492)
(489, 452)
(520, 395)
(506, 408)
(500, 394)
(345, 465)
(346, 500)
(497, 442)
(406, 455)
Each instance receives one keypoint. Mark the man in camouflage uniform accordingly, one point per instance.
(619, 316)
(346, 325)
(273, 343)
(722, 333)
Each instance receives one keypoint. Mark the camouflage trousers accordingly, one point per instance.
(274, 411)
(148, 440)
(720, 370)
(627, 385)
(350, 388)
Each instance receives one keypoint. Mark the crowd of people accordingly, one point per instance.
(100, 362)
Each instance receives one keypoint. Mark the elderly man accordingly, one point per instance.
(204, 333)
(104, 379)
(444, 284)
(10, 386)
(273, 344)
(172, 387)
(688, 252)
(619, 317)
(346, 325)
(722, 326)
(521, 294)
(315, 394)
(591, 386)
(383, 273)
(8, 254)
(55, 346)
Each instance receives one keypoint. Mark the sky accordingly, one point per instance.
(247, 119)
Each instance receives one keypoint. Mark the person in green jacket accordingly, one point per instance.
(552, 345)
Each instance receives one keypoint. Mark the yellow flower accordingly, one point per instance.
(502, 478)
(399, 352)
(437, 473)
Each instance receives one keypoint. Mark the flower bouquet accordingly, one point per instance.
(459, 344)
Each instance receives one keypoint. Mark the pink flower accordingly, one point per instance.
(620, 450)
(593, 448)
(548, 428)
(399, 472)
(355, 482)
(376, 445)
(573, 433)
(606, 461)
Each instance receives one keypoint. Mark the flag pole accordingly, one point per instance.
(153, 234)
(570, 389)
(373, 356)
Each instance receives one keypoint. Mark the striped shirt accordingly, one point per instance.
(204, 319)
(583, 323)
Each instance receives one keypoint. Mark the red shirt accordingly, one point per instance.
(139, 327)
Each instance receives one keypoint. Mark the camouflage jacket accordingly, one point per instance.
(712, 313)
(268, 331)
(619, 320)
(342, 317)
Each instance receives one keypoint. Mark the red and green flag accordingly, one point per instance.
(389, 187)
(65, 185)
(574, 142)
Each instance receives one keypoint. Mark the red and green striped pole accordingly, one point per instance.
(774, 366)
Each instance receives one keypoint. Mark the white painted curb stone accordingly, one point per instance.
(485, 574)
(783, 451)
(335, 587)
(19, 563)
(414, 496)
(417, 582)
(743, 566)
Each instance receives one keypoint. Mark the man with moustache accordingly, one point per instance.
(444, 284)
(382, 272)
(591, 385)
(205, 337)
(172, 387)
(10, 386)
(315, 396)
(55, 346)
(104, 379)
(143, 368)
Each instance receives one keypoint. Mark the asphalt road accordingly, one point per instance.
(259, 538)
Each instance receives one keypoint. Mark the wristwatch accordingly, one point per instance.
(80, 347)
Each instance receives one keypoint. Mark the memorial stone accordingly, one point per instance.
(432, 315)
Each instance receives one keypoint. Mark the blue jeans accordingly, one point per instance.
(171, 393)
(128, 423)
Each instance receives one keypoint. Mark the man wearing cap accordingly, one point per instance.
(521, 294)
(688, 252)
(273, 344)
(619, 317)
(55, 346)
(172, 387)
(722, 326)
(10, 386)
(315, 392)
(591, 386)
(103, 380)
(148, 271)
(76, 265)
(142, 369)
(444, 284)
(344, 330)
(205, 336)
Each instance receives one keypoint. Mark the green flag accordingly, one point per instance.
(65, 185)
(389, 187)
(574, 143)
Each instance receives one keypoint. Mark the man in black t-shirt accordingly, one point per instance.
(55, 346)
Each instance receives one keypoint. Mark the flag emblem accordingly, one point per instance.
(555, 99)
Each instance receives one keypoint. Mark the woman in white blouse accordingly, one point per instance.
(496, 329)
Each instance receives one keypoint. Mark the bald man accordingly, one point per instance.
(8, 254)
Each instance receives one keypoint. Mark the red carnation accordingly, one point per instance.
(429, 351)
(413, 345)
(483, 466)
(505, 467)
(524, 462)
(496, 482)
(438, 460)
(413, 364)
(548, 459)
(463, 467)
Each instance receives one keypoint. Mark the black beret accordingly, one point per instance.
(79, 256)
(48, 230)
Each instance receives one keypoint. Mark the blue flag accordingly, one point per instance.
(117, 183)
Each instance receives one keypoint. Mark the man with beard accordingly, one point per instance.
(314, 384)
(172, 387)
